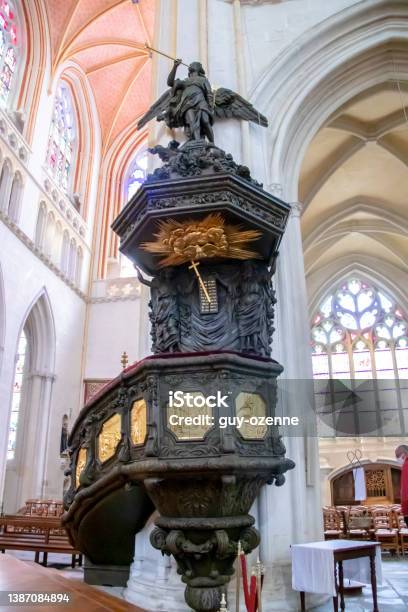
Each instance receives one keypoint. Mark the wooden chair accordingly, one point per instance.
(360, 524)
(402, 530)
(385, 532)
(343, 512)
(332, 526)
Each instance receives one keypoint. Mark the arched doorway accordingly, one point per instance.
(30, 406)
(383, 482)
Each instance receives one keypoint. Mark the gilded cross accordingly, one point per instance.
(194, 266)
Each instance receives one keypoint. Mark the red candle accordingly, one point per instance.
(252, 594)
(245, 580)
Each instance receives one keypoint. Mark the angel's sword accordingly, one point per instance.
(146, 45)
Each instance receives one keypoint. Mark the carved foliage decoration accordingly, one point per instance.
(275, 218)
(109, 438)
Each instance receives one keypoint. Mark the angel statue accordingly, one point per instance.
(192, 104)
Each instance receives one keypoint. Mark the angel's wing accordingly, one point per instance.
(229, 104)
(160, 106)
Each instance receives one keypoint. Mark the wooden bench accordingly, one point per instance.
(37, 534)
(42, 507)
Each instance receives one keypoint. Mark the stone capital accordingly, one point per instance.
(296, 209)
(275, 189)
(43, 375)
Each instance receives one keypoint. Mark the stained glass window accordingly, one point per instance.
(16, 397)
(8, 49)
(62, 138)
(136, 175)
(134, 179)
(360, 333)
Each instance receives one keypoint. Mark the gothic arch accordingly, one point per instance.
(115, 165)
(49, 234)
(26, 470)
(347, 53)
(376, 209)
(5, 184)
(16, 193)
(343, 469)
(87, 132)
(370, 271)
(65, 253)
(40, 226)
(79, 267)
(34, 16)
(72, 259)
(57, 246)
(40, 321)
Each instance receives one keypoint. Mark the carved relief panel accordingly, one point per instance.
(138, 422)
(249, 405)
(109, 438)
(81, 462)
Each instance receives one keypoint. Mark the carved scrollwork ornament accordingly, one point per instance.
(124, 449)
(296, 209)
(158, 540)
(174, 542)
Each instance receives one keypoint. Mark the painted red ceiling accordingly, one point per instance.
(106, 38)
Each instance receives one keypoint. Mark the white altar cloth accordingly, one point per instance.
(313, 566)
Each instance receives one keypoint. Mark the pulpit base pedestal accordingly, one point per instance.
(106, 575)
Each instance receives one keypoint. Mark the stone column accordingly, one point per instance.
(36, 438)
(25, 476)
(291, 514)
(154, 584)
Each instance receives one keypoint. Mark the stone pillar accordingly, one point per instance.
(25, 476)
(43, 434)
(154, 583)
(36, 426)
(291, 514)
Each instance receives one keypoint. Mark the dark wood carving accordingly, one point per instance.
(203, 485)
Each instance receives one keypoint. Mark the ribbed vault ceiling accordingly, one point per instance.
(354, 183)
(106, 38)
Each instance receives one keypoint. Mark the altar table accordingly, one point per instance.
(321, 567)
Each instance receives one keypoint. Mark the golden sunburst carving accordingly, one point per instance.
(190, 240)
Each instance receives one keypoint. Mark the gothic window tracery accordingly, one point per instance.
(8, 49)
(135, 177)
(61, 144)
(359, 332)
(360, 338)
